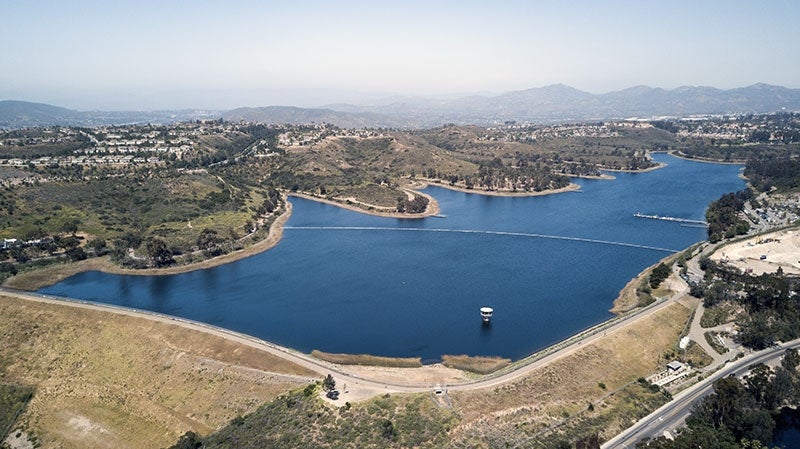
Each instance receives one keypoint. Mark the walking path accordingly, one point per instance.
(698, 334)
(696, 331)
(360, 387)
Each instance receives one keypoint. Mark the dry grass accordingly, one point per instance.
(696, 356)
(662, 292)
(475, 364)
(366, 359)
(35, 279)
(109, 381)
(628, 298)
(566, 386)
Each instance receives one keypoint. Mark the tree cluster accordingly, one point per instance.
(740, 414)
(771, 301)
(781, 173)
(415, 206)
(659, 274)
(722, 216)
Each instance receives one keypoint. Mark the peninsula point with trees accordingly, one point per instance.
(173, 196)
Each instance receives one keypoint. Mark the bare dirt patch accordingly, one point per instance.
(436, 374)
(764, 253)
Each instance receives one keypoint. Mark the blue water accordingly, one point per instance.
(405, 293)
(787, 430)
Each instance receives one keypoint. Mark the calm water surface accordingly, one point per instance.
(787, 430)
(413, 290)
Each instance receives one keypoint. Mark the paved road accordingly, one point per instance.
(672, 415)
(354, 382)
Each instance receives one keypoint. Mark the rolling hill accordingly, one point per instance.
(555, 103)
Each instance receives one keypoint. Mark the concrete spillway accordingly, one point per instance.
(476, 231)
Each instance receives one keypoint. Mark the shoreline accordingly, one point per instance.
(431, 210)
(627, 299)
(621, 310)
(570, 188)
(704, 160)
(356, 377)
(658, 166)
(602, 177)
(45, 277)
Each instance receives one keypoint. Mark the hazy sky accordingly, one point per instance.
(217, 54)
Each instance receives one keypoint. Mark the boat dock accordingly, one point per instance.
(666, 218)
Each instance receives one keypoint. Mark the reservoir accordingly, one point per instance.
(340, 281)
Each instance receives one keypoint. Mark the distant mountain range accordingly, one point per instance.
(556, 103)
(294, 115)
(22, 114)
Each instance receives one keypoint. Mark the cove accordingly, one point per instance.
(341, 281)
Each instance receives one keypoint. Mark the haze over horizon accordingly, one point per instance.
(170, 55)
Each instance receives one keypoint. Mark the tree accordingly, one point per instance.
(388, 431)
(756, 332)
(19, 254)
(70, 226)
(328, 384)
(758, 382)
(790, 360)
(99, 246)
(208, 242)
(131, 240)
(75, 254)
(588, 442)
(7, 267)
(158, 252)
(67, 242)
(659, 274)
(189, 440)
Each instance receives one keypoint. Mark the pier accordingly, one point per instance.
(666, 218)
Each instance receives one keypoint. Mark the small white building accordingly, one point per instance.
(675, 366)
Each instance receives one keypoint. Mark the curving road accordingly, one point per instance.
(673, 414)
(372, 387)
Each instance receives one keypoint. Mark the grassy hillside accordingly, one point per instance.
(301, 419)
(107, 380)
(575, 401)
(220, 185)
(104, 380)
